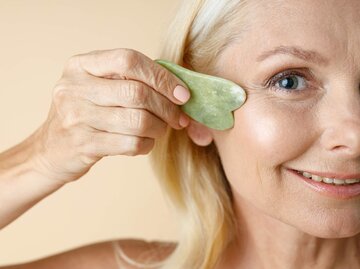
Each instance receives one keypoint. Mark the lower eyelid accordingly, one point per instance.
(308, 90)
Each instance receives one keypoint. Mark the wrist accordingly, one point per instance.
(25, 159)
(21, 184)
(38, 161)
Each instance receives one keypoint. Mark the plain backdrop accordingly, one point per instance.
(120, 196)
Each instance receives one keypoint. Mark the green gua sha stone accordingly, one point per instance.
(212, 98)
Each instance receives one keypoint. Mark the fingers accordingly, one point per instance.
(128, 121)
(110, 144)
(126, 93)
(127, 64)
(113, 102)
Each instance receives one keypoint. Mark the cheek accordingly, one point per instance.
(264, 137)
(271, 133)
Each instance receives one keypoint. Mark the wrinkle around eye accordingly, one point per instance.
(311, 94)
(263, 78)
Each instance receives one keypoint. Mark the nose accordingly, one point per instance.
(342, 120)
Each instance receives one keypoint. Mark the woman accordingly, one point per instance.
(278, 190)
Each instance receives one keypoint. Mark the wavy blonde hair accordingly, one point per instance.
(191, 176)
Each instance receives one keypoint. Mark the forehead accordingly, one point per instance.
(331, 27)
(334, 15)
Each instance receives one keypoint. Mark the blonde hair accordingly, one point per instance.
(191, 176)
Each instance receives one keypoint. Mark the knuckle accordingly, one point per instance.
(73, 62)
(148, 145)
(127, 52)
(71, 118)
(145, 122)
(168, 111)
(68, 112)
(163, 81)
(135, 118)
(126, 58)
(171, 113)
(61, 90)
(137, 145)
(117, 115)
(132, 146)
(59, 94)
(137, 121)
(136, 94)
(140, 145)
(87, 159)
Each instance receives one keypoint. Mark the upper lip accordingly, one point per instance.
(332, 174)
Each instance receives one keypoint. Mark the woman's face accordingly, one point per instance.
(314, 126)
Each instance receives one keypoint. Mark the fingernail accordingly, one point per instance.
(184, 120)
(181, 93)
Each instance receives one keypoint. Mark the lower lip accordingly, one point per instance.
(338, 192)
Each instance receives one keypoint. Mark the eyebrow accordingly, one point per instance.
(306, 55)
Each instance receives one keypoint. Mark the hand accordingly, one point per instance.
(112, 102)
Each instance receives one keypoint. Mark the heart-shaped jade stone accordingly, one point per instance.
(212, 98)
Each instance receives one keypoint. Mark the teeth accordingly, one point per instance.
(329, 180)
(338, 181)
(316, 178)
(351, 180)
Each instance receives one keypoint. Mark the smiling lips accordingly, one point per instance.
(329, 180)
(330, 187)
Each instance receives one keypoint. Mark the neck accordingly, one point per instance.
(265, 242)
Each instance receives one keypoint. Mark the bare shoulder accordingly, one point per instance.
(112, 254)
(135, 253)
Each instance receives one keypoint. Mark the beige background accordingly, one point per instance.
(119, 197)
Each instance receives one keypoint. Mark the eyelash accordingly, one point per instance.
(271, 83)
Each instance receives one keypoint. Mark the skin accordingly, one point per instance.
(283, 223)
(101, 107)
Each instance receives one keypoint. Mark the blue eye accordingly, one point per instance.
(288, 82)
